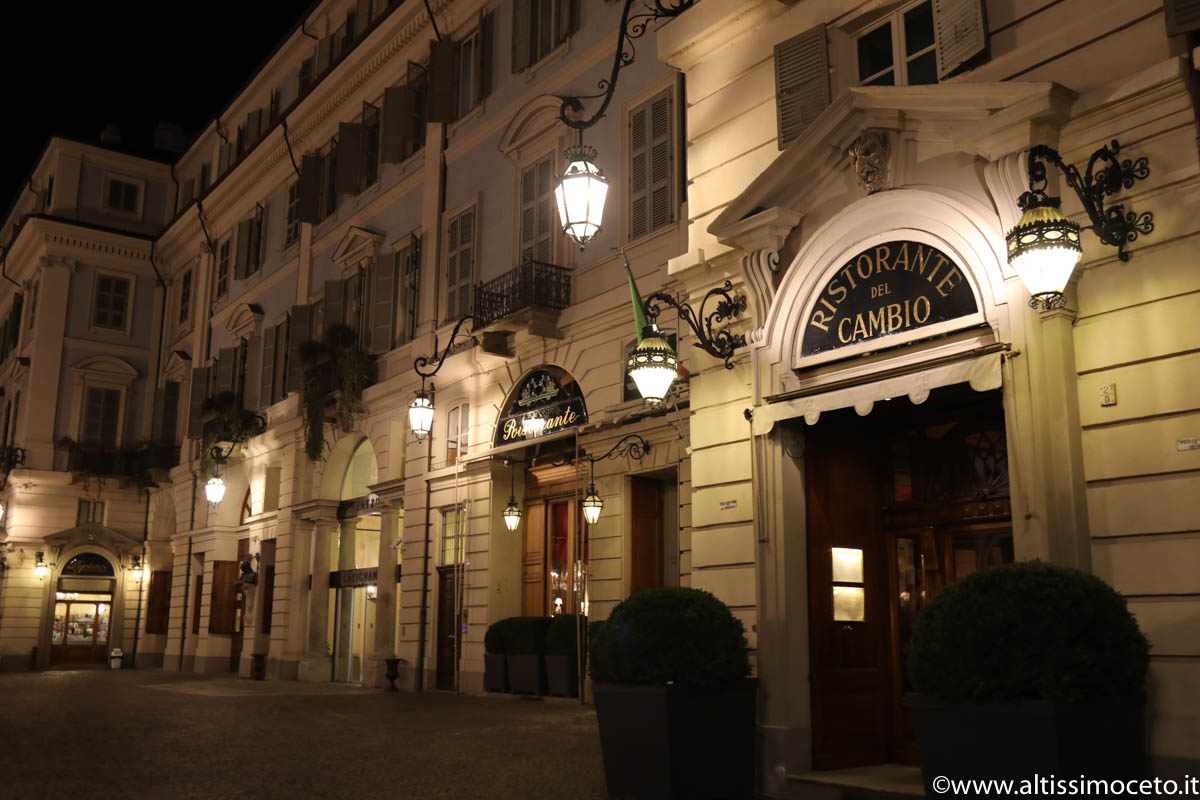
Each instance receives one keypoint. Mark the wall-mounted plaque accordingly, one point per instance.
(546, 401)
(888, 289)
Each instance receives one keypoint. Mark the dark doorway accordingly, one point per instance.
(448, 625)
(900, 503)
(646, 515)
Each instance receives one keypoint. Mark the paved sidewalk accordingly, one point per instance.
(78, 735)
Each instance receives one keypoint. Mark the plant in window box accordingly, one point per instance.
(495, 672)
(336, 372)
(673, 699)
(562, 654)
(524, 648)
(1029, 668)
(225, 421)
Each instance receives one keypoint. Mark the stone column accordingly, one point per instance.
(315, 666)
(384, 645)
(343, 668)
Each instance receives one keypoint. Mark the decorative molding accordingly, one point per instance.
(356, 244)
(531, 122)
(70, 264)
(109, 367)
(97, 247)
(245, 320)
(871, 156)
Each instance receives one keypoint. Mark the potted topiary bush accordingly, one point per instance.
(1029, 668)
(495, 673)
(524, 648)
(674, 703)
(562, 655)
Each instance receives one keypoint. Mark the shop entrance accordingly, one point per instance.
(900, 503)
(83, 598)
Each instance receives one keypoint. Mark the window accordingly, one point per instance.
(101, 413)
(223, 251)
(169, 421)
(468, 75)
(538, 211)
(258, 228)
(539, 26)
(122, 196)
(454, 535)
(90, 511)
(651, 166)
(409, 261)
(370, 156)
(111, 307)
(49, 193)
(900, 50)
(205, 177)
(305, 75)
(460, 263)
(292, 232)
(185, 296)
(458, 425)
(33, 302)
(329, 195)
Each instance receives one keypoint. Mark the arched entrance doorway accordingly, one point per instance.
(354, 555)
(83, 600)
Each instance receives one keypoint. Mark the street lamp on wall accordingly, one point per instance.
(512, 511)
(136, 568)
(40, 568)
(592, 503)
(421, 409)
(1044, 246)
(214, 490)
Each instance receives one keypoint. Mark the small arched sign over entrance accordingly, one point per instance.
(889, 289)
(547, 400)
(89, 565)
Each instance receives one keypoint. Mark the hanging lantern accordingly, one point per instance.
(592, 504)
(512, 514)
(420, 414)
(137, 568)
(214, 490)
(1043, 249)
(653, 366)
(41, 568)
(580, 194)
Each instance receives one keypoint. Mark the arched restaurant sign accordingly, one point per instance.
(547, 401)
(888, 289)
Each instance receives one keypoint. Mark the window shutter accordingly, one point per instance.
(383, 304)
(528, 212)
(362, 17)
(801, 82)
(241, 258)
(483, 58)
(225, 370)
(662, 138)
(298, 333)
(200, 376)
(443, 80)
(308, 201)
(398, 109)
(335, 303)
(187, 193)
(266, 381)
(223, 610)
(410, 270)
(324, 56)
(348, 166)
(639, 178)
(565, 19)
(222, 159)
(158, 601)
(960, 35)
(418, 82)
(169, 418)
(260, 235)
(1183, 16)
(254, 126)
(522, 34)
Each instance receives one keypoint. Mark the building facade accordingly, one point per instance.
(899, 416)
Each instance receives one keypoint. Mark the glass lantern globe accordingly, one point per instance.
(653, 366)
(592, 504)
(1044, 248)
(420, 415)
(41, 568)
(512, 514)
(580, 195)
(214, 490)
(137, 568)
(533, 425)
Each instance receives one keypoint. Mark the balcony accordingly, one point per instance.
(530, 296)
(90, 460)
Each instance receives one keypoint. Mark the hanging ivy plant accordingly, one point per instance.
(336, 372)
(235, 425)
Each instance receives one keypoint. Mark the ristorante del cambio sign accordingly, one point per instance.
(885, 290)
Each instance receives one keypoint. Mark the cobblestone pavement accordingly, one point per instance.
(84, 734)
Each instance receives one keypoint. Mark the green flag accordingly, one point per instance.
(639, 312)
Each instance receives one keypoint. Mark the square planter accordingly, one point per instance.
(562, 676)
(1019, 740)
(495, 672)
(673, 742)
(525, 674)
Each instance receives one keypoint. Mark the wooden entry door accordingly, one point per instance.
(646, 512)
(448, 626)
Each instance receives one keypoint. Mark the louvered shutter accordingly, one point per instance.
(409, 271)
(383, 304)
(260, 234)
(466, 260)
(242, 248)
(222, 612)
(959, 32)
(522, 34)
(266, 380)
(362, 17)
(662, 145)
(528, 212)
(398, 102)
(639, 171)
(452, 269)
(335, 303)
(801, 82)
(443, 80)
(254, 125)
(324, 56)
(565, 20)
(483, 58)
(418, 82)
(308, 201)
(348, 166)
(225, 370)
(222, 159)
(298, 333)
(158, 601)
(1183, 16)
(199, 391)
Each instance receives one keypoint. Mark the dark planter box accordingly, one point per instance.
(673, 742)
(562, 676)
(525, 674)
(1017, 741)
(495, 673)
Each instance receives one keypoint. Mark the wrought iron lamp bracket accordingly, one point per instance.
(633, 26)
(633, 445)
(1113, 225)
(258, 425)
(719, 343)
(421, 363)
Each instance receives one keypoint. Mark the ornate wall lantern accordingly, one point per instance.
(40, 568)
(512, 511)
(421, 409)
(632, 445)
(214, 490)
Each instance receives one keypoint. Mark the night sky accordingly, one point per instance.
(72, 68)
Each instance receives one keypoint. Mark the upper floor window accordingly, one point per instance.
(101, 415)
(205, 177)
(292, 232)
(454, 535)
(651, 165)
(900, 50)
(458, 424)
(122, 195)
(539, 26)
(89, 511)
(538, 212)
(111, 307)
(460, 263)
(185, 296)
(222, 269)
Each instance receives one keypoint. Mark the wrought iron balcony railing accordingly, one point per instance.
(533, 284)
(92, 460)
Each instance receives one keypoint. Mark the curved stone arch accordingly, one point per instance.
(109, 366)
(531, 122)
(963, 228)
(333, 472)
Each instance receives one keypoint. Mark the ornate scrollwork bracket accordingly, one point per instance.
(719, 343)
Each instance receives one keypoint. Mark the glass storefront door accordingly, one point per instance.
(79, 634)
(354, 630)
